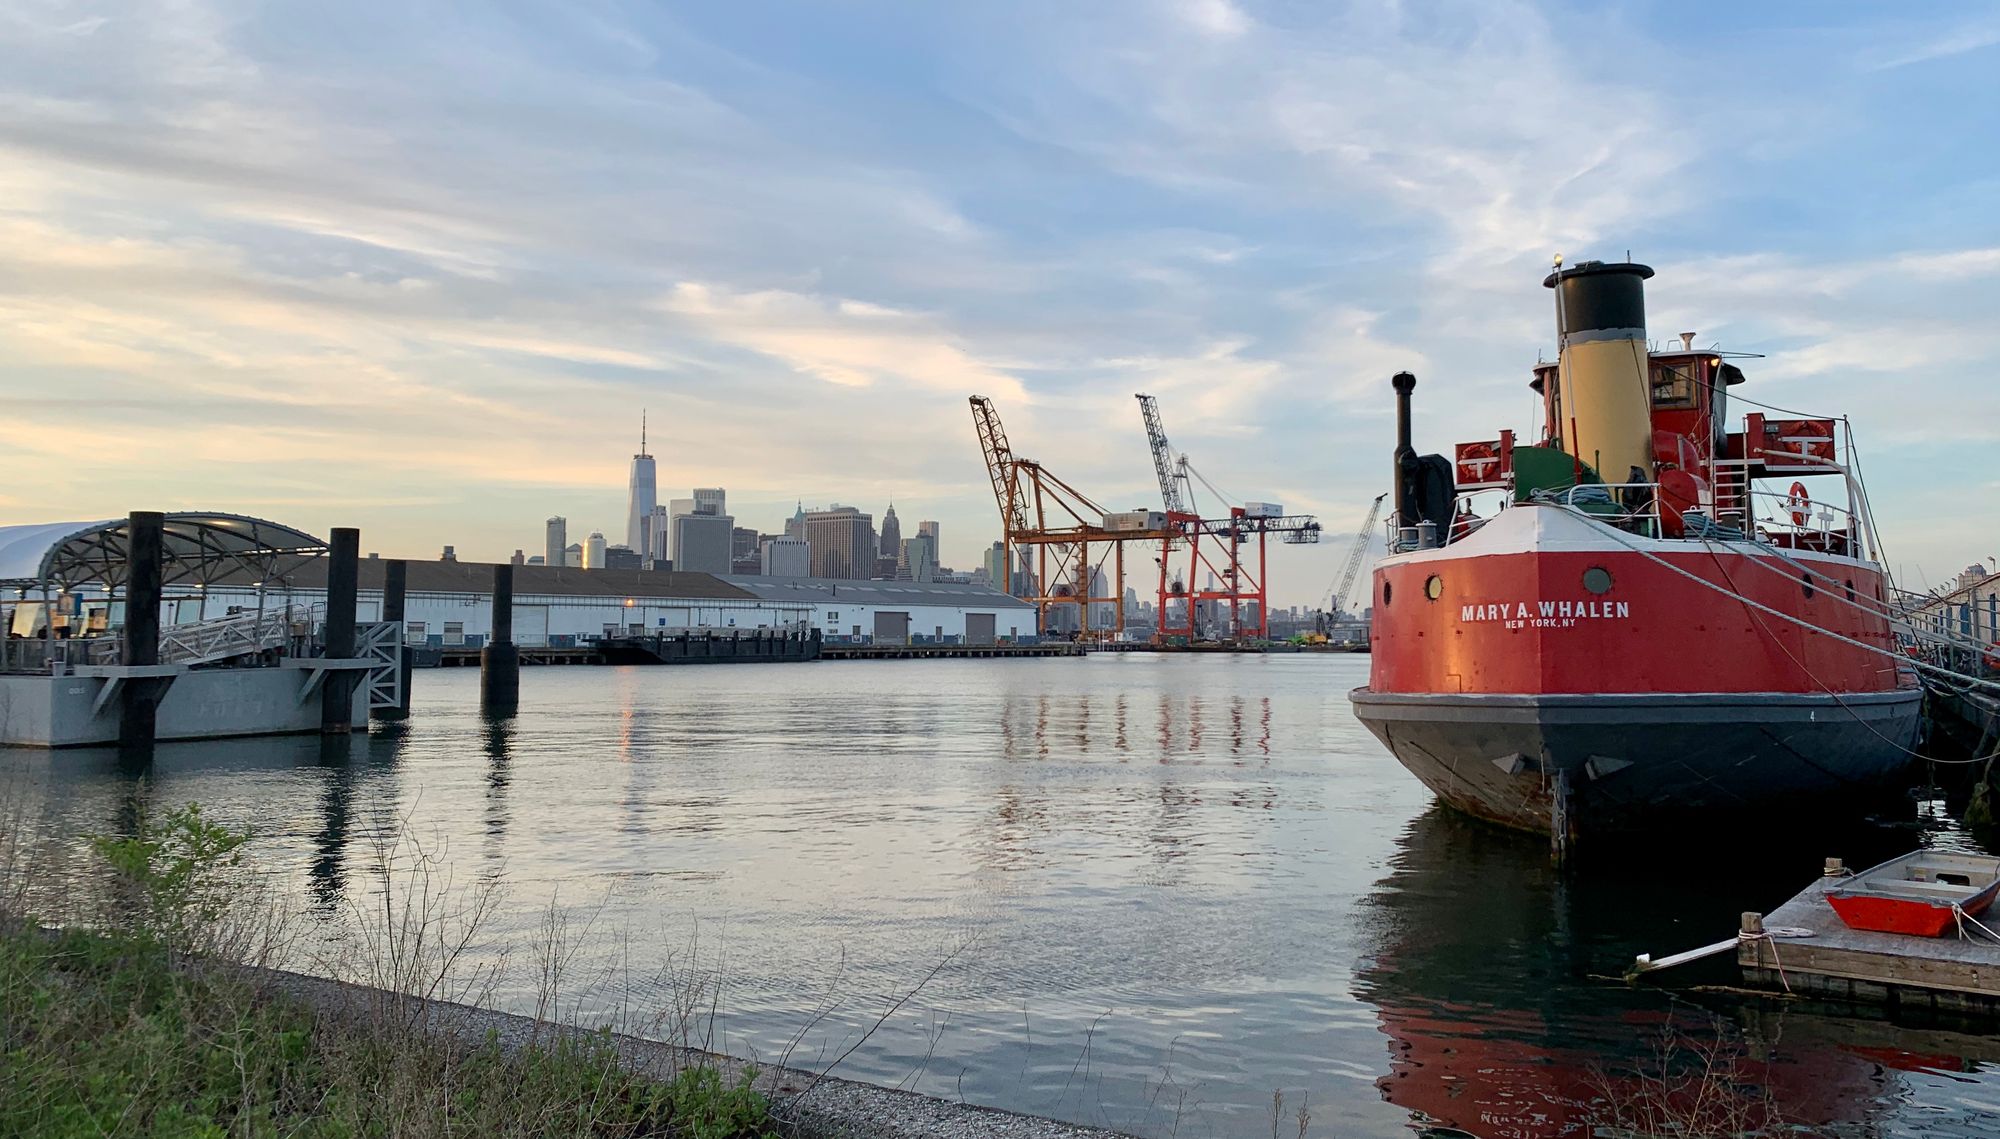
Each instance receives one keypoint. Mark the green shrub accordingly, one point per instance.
(124, 1033)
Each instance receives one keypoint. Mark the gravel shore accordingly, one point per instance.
(812, 1106)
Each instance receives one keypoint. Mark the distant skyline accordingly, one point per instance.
(418, 270)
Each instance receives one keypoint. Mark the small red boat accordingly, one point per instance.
(1919, 894)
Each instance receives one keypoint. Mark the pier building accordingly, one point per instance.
(112, 634)
(448, 605)
(899, 612)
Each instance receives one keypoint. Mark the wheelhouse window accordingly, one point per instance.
(1673, 385)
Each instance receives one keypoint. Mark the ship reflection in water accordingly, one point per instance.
(1486, 968)
(1182, 884)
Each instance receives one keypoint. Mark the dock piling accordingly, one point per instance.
(395, 590)
(500, 660)
(343, 571)
(146, 556)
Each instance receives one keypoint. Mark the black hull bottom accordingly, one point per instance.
(1610, 764)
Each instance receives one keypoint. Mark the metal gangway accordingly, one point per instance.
(286, 631)
(236, 635)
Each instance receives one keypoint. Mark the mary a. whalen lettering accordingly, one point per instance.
(1539, 611)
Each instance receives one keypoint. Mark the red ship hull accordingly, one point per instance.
(1548, 670)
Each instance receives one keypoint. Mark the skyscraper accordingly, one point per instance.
(842, 540)
(557, 541)
(917, 560)
(644, 493)
(930, 530)
(892, 533)
(996, 567)
(701, 542)
(658, 536)
(706, 500)
(785, 557)
(593, 550)
(743, 555)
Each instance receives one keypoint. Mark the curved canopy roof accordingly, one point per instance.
(200, 548)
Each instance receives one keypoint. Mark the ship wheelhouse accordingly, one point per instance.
(1707, 482)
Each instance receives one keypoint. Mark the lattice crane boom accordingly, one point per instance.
(1355, 554)
(1171, 497)
(1001, 465)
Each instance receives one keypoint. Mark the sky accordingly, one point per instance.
(418, 267)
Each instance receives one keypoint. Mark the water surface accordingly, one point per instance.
(1134, 890)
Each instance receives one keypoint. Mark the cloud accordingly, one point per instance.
(1954, 42)
(846, 342)
(420, 271)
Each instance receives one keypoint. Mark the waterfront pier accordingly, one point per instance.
(91, 657)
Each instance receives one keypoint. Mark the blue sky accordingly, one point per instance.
(417, 267)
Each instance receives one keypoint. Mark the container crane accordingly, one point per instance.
(1337, 596)
(1227, 537)
(1073, 537)
(1172, 496)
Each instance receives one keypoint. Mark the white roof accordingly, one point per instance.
(834, 591)
(199, 546)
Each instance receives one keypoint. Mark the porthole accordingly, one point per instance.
(1387, 589)
(1434, 587)
(1805, 582)
(1597, 581)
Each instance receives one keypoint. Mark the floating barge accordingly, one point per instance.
(1804, 946)
(839, 651)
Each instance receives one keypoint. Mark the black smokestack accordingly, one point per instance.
(1406, 454)
(1606, 300)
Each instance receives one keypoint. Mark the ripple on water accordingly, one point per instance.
(1160, 889)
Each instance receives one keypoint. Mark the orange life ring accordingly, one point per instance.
(1799, 504)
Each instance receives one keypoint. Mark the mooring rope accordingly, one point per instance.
(1964, 919)
(1745, 937)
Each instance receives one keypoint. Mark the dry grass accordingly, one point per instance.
(1696, 1085)
(139, 1018)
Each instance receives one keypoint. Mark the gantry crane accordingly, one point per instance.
(1065, 527)
(1337, 596)
(1239, 581)
(1172, 497)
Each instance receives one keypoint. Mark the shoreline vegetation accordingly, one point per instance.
(158, 1016)
(146, 990)
(140, 996)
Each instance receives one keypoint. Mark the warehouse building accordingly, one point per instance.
(449, 605)
(899, 612)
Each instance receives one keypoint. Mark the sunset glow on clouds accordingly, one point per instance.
(418, 270)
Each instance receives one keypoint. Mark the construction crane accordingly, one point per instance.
(1215, 544)
(1337, 595)
(1172, 497)
(1072, 536)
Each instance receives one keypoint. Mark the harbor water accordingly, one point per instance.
(1141, 891)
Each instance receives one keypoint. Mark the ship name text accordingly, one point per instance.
(1544, 614)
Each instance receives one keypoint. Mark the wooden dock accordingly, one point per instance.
(1917, 974)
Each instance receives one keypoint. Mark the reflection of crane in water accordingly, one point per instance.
(1341, 591)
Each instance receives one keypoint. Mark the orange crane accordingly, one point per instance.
(1215, 544)
(1073, 538)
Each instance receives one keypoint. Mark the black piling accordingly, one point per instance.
(500, 660)
(343, 570)
(395, 590)
(145, 571)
